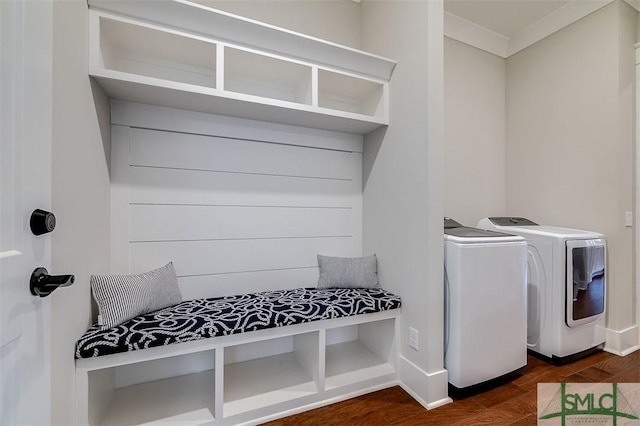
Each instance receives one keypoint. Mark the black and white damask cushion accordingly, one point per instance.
(122, 297)
(222, 316)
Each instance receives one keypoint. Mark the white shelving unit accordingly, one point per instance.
(215, 62)
(313, 363)
(182, 55)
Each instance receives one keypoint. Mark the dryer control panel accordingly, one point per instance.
(512, 221)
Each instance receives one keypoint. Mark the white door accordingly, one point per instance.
(25, 184)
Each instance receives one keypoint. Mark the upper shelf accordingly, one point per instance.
(225, 64)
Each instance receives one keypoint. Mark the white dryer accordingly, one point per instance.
(566, 288)
(485, 306)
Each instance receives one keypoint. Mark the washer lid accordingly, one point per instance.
(465, 234)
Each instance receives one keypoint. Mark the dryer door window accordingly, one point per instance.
(585, 281)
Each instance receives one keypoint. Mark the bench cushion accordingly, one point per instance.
(222, 316)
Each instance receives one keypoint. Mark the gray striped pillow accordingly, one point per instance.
(122, 297)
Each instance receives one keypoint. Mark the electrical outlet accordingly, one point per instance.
(413, 338)
(628, 219)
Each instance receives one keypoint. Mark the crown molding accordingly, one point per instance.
(554, 22)
(475, 35)
(634, 4)
(482, 38)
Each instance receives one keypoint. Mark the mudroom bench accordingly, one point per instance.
(240, 359)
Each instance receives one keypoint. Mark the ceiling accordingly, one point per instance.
(505, 27)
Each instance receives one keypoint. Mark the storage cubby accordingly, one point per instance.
(358, 353)
(145, 51)
(265, 76)
(240, 378)
(215, 62)
(350, 94)
(186, 399)
(264, 381)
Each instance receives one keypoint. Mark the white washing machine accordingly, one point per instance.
(566, 288)
(485, 306)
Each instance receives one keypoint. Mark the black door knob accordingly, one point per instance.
(42, 222)
(42, 284)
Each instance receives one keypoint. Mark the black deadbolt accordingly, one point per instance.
(42, 222)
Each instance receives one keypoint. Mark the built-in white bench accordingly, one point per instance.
(317, 361)
(236, 154)
(239, 207)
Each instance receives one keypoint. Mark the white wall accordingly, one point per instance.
(627, 296)
(80, 194)
(475, 127)
(570, 141)
(333, 20)
(402, 183)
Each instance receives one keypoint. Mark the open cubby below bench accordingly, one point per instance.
(249, 376)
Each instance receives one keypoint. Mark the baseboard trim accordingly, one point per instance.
(429, 389)
(623, 342)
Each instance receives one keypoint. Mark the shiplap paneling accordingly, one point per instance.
(153, 222)
(207, 153)
(172, 186)
(232, 256)
(202, 286)
(162, 118)
(233, 212)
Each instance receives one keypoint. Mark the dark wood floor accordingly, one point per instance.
(513, 403)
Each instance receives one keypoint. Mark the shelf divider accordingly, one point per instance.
(219, 384)
(220, 51)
